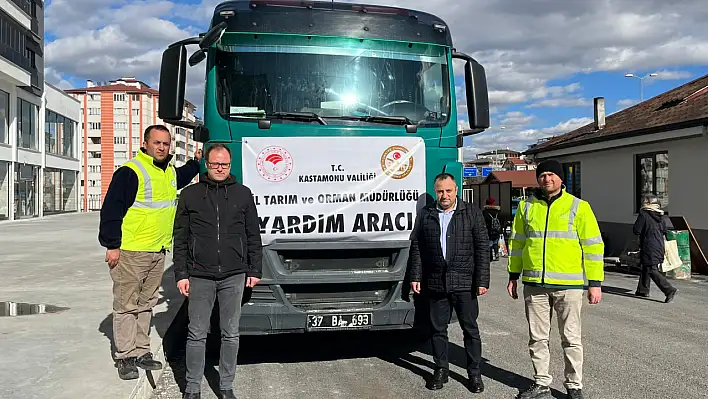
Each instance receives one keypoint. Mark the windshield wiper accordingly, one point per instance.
(297, 116)
(389, 120)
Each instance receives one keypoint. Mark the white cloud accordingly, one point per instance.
(524, 46)
(518, 137)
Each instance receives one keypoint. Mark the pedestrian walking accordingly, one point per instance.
(450, 269)
(217, 254)
(651, 228)
(135, 227)
(494, 222)
(554, 237)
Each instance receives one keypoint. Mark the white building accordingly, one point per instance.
(657, 146)
(39, 159)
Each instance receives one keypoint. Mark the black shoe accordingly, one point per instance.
(476, 384)
(227, 394)
(670, 296)
(192, 395)
(127, 369)
(641, 295)
(146, 362)
(535, 391)
(574, 394)
(440, 377)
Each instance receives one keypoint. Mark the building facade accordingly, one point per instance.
(115, 115)
(39, 158)
(39, 164)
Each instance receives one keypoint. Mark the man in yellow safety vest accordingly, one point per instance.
(555, 244)
(137, 218)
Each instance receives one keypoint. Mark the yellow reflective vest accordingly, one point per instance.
(556, 244)
(147, 226)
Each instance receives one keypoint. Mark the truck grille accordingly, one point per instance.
(338, 296)
(338, 259)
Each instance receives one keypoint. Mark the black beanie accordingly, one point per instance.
(549, 166)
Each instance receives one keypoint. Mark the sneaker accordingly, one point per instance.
(146, 362)
(535, 391)
(127, 370)
(574, 394)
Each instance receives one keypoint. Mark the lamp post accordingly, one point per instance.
(641, 83)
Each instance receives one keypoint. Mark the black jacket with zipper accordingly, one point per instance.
(465, 266)
(651, 228)
(216, 231)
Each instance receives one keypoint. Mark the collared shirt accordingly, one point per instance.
(445, 217)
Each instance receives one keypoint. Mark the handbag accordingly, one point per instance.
(672, 260)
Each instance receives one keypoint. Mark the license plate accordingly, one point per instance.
(346, 320)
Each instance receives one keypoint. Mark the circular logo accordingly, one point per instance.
(396, 163)
(274, 163)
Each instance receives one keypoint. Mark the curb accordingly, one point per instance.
(147, 381)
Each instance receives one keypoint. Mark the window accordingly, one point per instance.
(571, 178)
(4, 117)
(59, 191)
(94, 111)
(121, 155)
(119, 97)
(652, 178)
(136, 141)
(27, 127)
(135, 97)
(119, 140)
(94, 125)
(136, 112)
(94, 97)
(120, 125)
(59, 134)
(120, 111)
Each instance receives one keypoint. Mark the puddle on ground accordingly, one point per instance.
(24, 309)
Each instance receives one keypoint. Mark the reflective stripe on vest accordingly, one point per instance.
(147, 190)
(567, 234)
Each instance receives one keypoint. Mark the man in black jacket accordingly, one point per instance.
(650, 226)
(217, 254)
(450, 268)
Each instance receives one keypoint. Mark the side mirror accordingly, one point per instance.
(200, 133)
(173, 74)
(476, 92)
(213, 35)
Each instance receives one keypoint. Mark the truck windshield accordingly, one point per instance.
(332, 83)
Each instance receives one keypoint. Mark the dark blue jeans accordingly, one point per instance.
(202, 293)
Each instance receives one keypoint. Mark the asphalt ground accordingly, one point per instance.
(634, 348)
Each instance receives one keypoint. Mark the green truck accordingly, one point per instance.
(338, 116)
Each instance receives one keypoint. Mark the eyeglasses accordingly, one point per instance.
(217, 165)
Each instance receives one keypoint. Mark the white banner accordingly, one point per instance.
(335, 188)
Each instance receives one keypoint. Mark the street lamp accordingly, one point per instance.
(641, 82)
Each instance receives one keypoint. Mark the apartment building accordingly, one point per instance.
(114, 116)
(38, 172)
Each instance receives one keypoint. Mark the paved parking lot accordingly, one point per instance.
(635, 348)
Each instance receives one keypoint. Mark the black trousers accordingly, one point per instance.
(651, 273)
(467, 309)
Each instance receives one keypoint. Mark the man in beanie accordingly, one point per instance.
(555, 244)
(495, 225)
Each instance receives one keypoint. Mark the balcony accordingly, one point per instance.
(25, 5)
(14, 65)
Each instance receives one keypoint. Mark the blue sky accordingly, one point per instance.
(545, 61)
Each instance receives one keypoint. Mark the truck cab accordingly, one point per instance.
(338, 117)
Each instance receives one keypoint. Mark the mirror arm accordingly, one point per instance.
(182, 123)
(191, 40)
(462, 56)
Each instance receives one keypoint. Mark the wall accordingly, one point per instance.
(608, 181)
